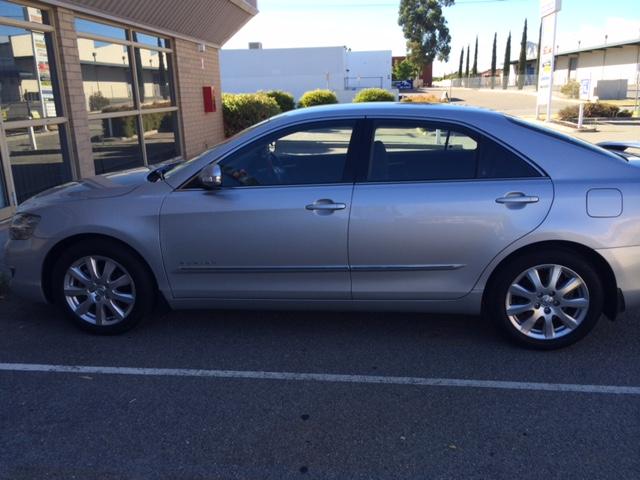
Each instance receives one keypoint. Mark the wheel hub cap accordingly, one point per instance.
(547, 301)
(99, 290)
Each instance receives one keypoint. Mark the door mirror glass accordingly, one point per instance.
(211, 176)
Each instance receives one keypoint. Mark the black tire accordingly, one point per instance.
(495, 302)
(142, 281)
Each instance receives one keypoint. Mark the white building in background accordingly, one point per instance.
(612, 68)
(297, 70)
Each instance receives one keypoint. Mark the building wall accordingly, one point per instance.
(619, 63)
(369, 69)
(295, 70)
(70, 73)
(195, 70)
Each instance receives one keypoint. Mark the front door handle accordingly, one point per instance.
(517, 198)
(325, 206)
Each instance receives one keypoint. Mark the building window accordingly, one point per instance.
(33, 140)
(37, 159)
(128, 86)
(115, 143)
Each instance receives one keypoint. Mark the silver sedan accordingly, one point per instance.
(372, 207)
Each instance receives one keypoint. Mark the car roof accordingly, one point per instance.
(390, 108)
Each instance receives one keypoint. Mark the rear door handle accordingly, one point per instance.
(517, 198)
(326, 206)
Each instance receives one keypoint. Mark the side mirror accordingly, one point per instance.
(210, 177)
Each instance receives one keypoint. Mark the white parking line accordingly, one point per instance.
(324, 377)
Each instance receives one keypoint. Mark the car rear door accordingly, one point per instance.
(434, 203)
(276, 229)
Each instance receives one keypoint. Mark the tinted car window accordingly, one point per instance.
(416, 152)
(498, 162)
(311, 155)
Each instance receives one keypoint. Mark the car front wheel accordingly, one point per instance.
(102, 287)
(546, 299)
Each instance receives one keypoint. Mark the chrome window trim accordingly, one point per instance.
(459, 180)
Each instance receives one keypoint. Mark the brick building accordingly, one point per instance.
(97, 86)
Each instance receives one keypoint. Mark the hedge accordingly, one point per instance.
(126, 126)
(571, 89)
(284, 100)
(317, 97)
(592, 110)
(374, 95)
(421, 98)
(242, 110)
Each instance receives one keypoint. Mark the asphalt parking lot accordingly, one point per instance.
(326, 395)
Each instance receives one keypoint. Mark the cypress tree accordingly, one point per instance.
(493, 60)
(507, 63)
(522, 61)
(466, 70)
(461, 60)
(474, 70)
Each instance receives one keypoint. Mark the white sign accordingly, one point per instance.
(545, 76)
(585, 89)
(547, 7)
(548, 12)
(43, 71)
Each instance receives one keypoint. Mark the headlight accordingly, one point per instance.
(23, 225)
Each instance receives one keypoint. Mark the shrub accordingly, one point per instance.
(374, 95)
(421, 98)
(317, 97)
(571, 89)
(97, 102)
(592, 110)
(284, 100)
(242, 110)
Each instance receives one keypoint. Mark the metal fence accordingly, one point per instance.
(529, 82)
(354, 83)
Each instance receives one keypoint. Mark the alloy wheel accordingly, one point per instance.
(99, 290)
(547, 302)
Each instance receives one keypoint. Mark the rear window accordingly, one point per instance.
(563, 137)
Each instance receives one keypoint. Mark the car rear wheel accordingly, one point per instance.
(102, 287)
(548, 299)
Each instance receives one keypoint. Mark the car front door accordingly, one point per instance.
(276, 229)
(433, 206)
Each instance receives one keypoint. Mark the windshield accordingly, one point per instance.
(179, 166)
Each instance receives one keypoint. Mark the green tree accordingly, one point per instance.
(474, 70)
(522, 61)
(461, 60)
(506, 66)
(493, 60)
(425, 29)
(404, 70)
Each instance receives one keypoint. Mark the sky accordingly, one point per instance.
(373, 25)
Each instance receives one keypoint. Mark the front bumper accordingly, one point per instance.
(625, 263)
(25, 259)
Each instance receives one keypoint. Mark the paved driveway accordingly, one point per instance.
(278, 395)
